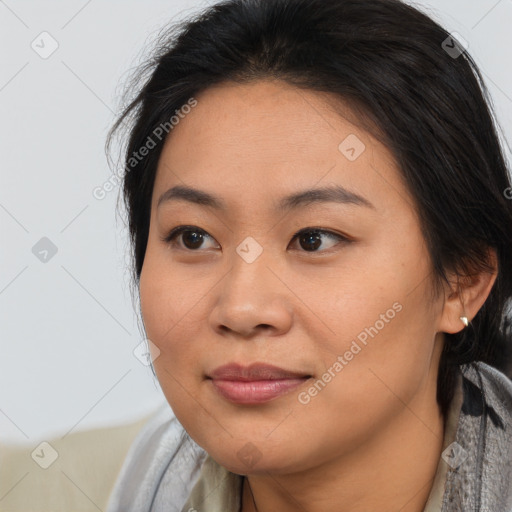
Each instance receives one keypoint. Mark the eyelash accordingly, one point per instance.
(174, 233)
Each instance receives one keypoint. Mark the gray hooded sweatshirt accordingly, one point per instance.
(166, 471)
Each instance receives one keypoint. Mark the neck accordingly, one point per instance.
(394, 471)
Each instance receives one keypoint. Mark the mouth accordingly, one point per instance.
(254, 384)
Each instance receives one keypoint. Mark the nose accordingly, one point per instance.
(252, 299)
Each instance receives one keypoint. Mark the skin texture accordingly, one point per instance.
(371, 438)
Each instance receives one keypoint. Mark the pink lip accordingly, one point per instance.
(254, 384)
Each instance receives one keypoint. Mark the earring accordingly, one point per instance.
(464, 320)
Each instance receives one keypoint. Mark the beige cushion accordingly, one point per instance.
(80, 478)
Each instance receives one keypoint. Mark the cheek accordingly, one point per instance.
(383, 348)
(162, 309)
(165, 299)
(172, 310)
(369, 385)
(154, 300)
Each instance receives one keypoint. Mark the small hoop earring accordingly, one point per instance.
(464, 320)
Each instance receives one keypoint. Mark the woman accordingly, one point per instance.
(322, 244)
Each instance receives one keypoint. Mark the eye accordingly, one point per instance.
(193, 237)
(311, 238)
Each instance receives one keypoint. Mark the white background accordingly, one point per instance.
(68, 327)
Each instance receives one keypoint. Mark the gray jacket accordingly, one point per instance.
(166, 471)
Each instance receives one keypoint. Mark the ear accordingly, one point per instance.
(466, 295)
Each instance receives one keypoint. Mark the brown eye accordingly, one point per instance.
(191, 236)
(311, 239)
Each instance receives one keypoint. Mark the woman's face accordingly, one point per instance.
(345, 309)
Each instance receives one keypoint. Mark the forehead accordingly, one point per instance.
(263, 140)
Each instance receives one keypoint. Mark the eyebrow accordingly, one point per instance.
(333, 193)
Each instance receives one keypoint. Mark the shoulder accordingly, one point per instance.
(161, 446)
(484, 477)
(495, 387)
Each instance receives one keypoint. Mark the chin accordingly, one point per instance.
(251, 464)
(254, 457)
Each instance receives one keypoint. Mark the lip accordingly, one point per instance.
(256, 383)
